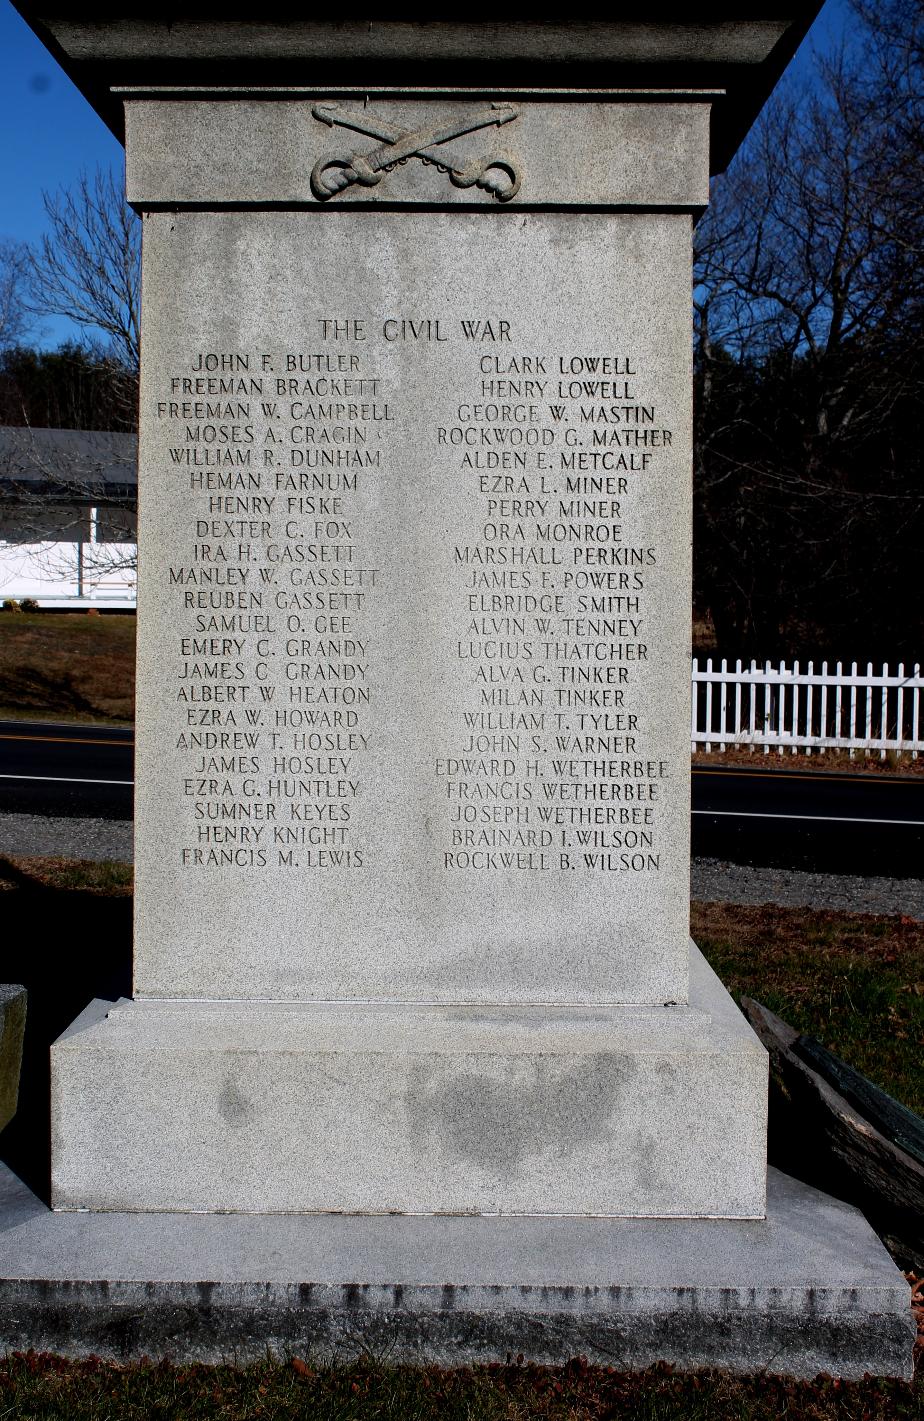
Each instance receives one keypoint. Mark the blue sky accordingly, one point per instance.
(49, 133)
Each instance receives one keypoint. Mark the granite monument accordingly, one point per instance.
(413, 773)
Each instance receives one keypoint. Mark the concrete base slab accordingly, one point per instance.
(276, 1107)
(808, 1289)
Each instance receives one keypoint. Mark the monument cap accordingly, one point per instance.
(737, 52)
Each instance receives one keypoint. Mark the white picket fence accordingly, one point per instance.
(788, 708)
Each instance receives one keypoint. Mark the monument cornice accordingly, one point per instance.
(292, 148)
(729, 48)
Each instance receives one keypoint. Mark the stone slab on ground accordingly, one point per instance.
(808, 1290)
(413, 1108)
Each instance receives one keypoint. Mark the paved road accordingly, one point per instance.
(69, 771)
(817, 820)
(820, 821)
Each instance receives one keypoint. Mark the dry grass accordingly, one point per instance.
(831, 762)
(49, 1389)
(114, 880)
(854, 981)
(67, 666)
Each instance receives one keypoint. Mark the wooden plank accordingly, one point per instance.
(820, 1137)
(892, 1119)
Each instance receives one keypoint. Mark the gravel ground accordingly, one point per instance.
(712, 881)
(34, 836)
(715, 882)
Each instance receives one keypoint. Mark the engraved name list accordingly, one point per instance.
(546, 757)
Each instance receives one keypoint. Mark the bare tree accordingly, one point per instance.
(87, 266)
(14, 314)
(71, 387)
(809, 304)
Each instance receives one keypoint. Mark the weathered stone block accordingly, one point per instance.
(378, 1108)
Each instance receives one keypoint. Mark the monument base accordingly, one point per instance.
(809, 1289)
(385, 1108)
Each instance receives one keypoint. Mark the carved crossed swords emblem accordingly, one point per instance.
(497, 174)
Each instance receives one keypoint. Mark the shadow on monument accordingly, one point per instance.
(65, 946)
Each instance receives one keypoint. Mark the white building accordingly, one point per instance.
(68, 528)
